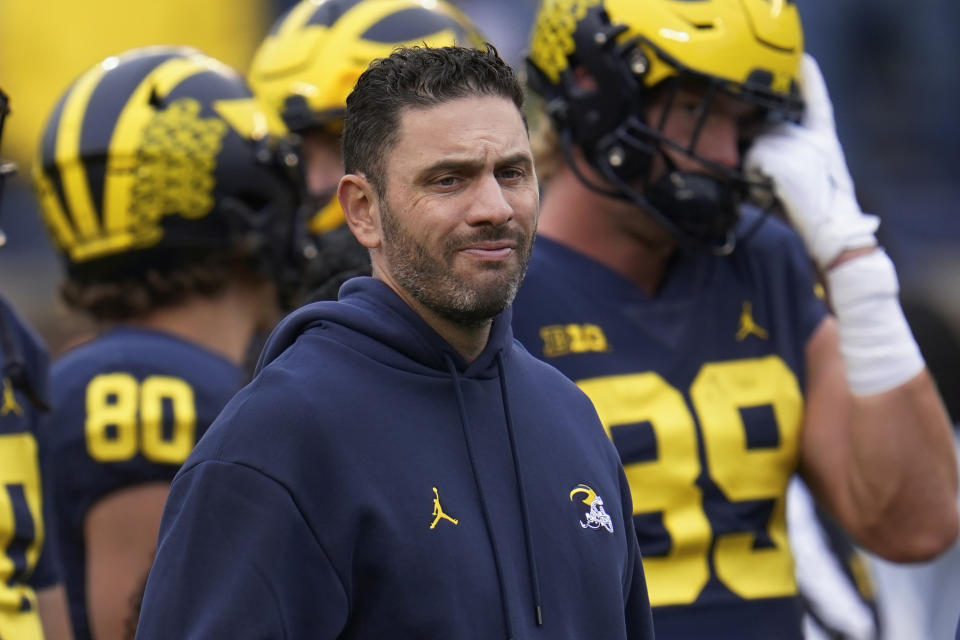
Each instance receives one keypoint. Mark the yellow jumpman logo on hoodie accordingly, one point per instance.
(438, 511)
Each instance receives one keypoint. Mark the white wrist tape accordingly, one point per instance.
(875, 340)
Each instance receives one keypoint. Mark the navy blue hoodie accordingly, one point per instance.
(370, 483)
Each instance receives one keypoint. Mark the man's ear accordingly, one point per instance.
(361, 208)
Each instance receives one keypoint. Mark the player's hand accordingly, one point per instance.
(809, 175)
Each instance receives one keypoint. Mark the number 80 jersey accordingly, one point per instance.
(700, 389)
(128, 408)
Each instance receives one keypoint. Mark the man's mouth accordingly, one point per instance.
(490, 249)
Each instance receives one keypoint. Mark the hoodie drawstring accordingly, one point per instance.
(483, 501)
(525, 511)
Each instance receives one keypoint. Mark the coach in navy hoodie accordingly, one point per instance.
(400, 467)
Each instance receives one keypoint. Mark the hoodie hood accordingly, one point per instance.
(370, 308)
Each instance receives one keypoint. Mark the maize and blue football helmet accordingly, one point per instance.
(161, 154)
(634, 51)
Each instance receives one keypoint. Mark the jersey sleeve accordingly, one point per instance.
(236, 559)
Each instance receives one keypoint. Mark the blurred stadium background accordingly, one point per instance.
(892, 68)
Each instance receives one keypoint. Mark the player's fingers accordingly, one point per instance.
(818, 110)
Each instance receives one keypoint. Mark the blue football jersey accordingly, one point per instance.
(700, 388)
(26, 559)
(128, 408)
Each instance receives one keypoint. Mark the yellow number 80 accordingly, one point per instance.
(117, 400)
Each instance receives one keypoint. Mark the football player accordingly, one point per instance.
(690, 318)
(306, 67)
(32, 600)
(172, 199)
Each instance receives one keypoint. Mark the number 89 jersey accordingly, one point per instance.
(128, 408)
(700, 389)
(26, 561)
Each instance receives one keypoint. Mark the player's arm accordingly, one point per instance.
(54, 614)
(121, 536)
(883, 463)
(236, 559)
(877, 445)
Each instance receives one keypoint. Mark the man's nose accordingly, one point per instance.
(490, 203)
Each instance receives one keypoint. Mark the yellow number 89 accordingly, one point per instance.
(668, 485)
(117, 400)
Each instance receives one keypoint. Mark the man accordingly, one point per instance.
(691, 321)
(403, 489)
(172, 204)
(32, 600)
(304, 70)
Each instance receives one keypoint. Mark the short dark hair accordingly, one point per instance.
(162, 281)
(416, 77)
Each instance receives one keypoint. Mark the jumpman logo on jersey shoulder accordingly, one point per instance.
(748, 326)
(10, 404)
(438, 511)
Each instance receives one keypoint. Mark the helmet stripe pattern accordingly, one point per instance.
(414, 25)
(73, 174)
(47, 151)
(147, 147)
(330, 12)
(102, 115)
(108, 100)
(131, 127)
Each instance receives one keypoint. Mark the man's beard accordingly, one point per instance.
(434, 281)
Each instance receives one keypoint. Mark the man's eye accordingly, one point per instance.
(447, 181)
(693, 109)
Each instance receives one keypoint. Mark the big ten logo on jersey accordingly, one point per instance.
(708, 467)
(21, 534)
(156, 417)
(563, 339)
